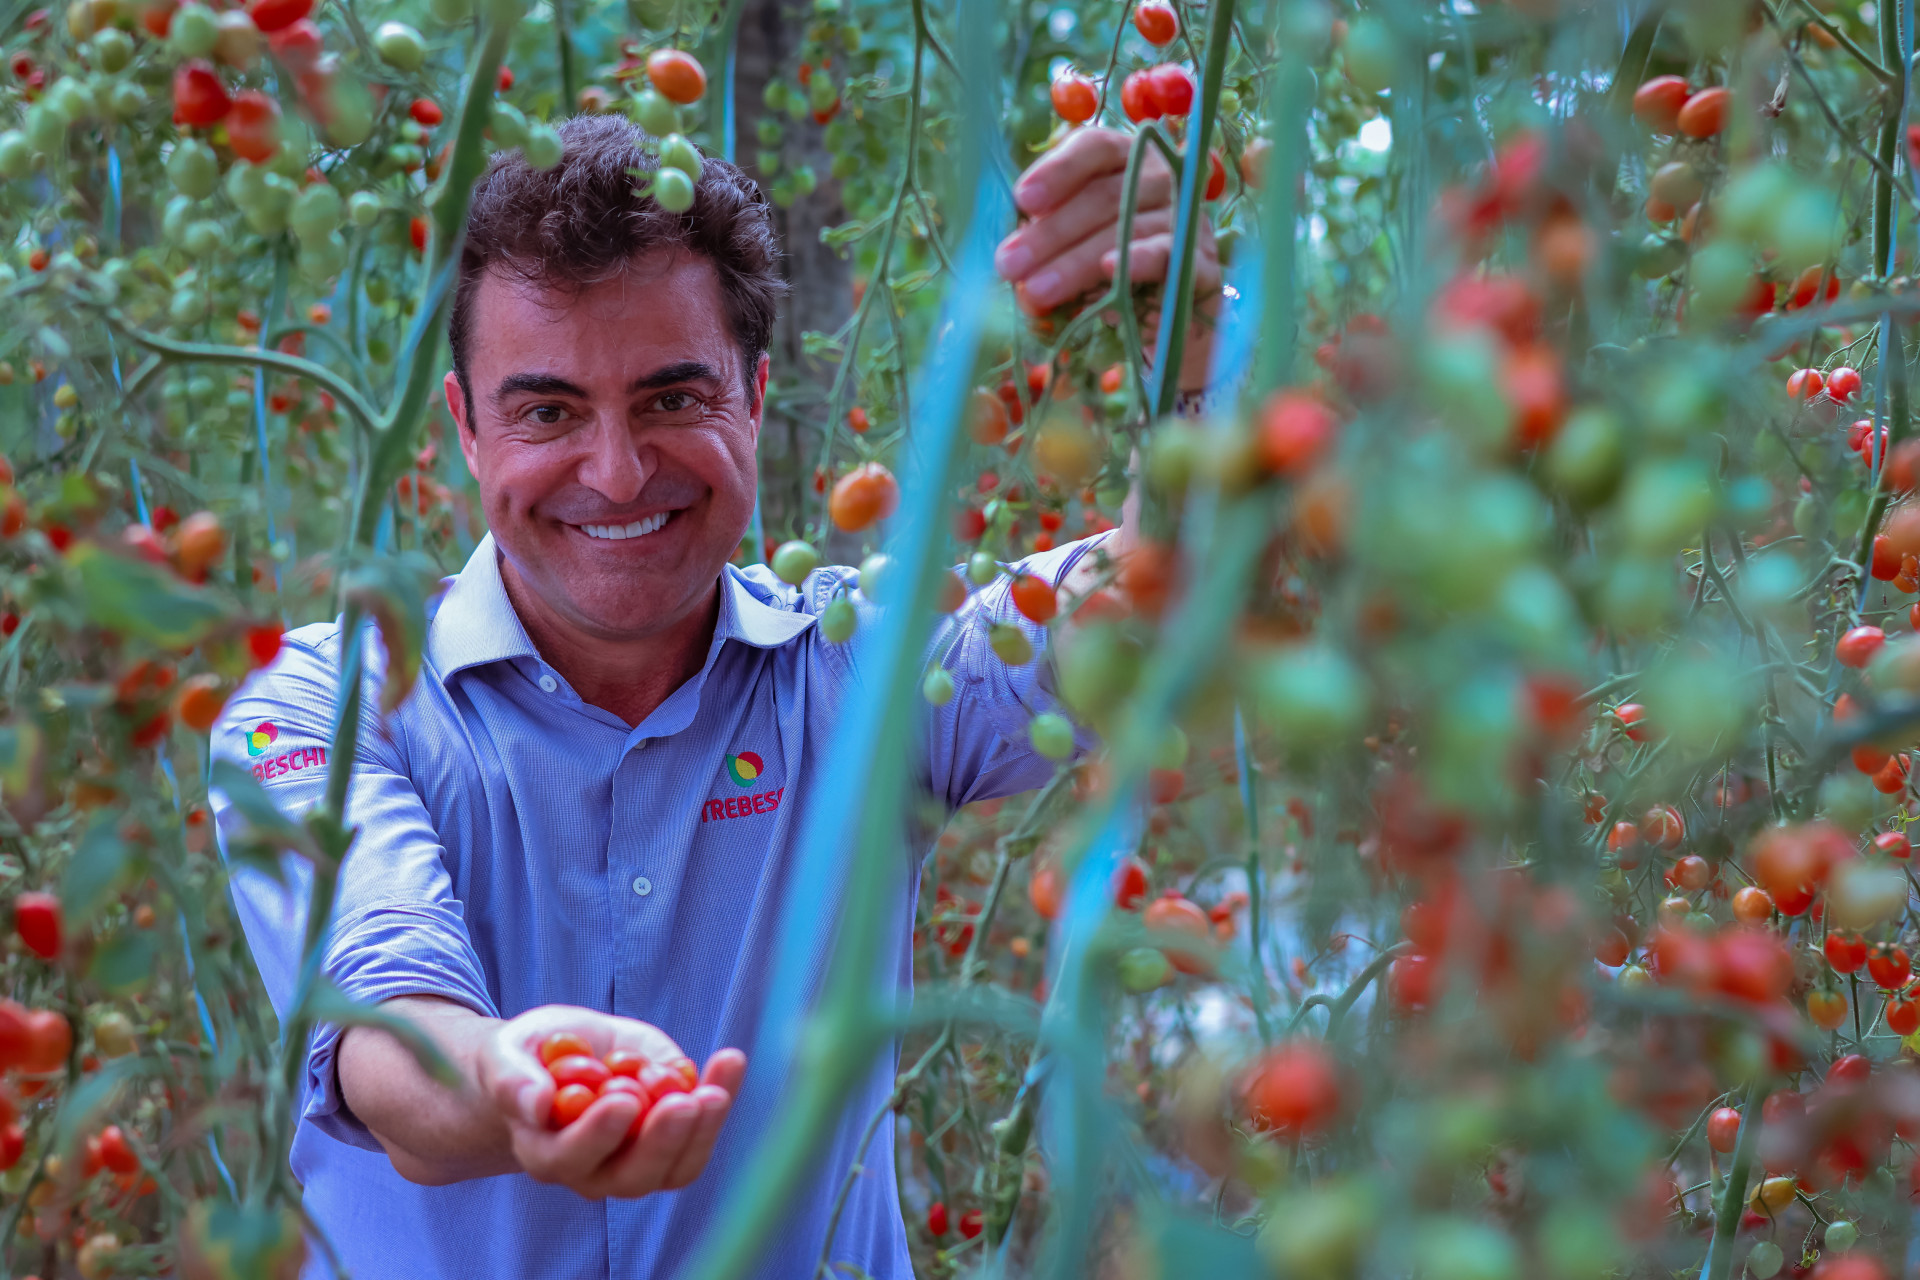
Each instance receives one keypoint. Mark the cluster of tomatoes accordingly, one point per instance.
(581, 1077)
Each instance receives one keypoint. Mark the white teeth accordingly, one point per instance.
(638, 529)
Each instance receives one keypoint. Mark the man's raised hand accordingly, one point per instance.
(598, 1155)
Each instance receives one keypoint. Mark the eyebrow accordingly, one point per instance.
(547, 384)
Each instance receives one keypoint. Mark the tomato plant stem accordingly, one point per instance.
(1718, 1264)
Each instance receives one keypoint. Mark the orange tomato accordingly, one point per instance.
(862, 496)
(1705, 113)
(677, 75)
(199, 702)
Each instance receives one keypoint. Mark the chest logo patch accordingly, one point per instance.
(745, 769)
(261, 737)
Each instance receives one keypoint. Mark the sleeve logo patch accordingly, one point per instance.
(745, 769)
(261, 738)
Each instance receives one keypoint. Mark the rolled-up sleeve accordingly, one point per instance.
(397, 928)
(978, 745)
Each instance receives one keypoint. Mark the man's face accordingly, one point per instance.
(613, 440)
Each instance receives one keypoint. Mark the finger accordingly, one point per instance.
(1085, 155)
(1093, 208)
(1071, 273)
(643, 1167)
(726, 1069)
(572, 1155)
(714, 1105)
(647, 1040)
(1146, 261)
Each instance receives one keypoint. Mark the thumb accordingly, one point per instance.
(519, 1087)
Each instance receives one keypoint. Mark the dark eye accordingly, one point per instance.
(674, 401)
(548, 415)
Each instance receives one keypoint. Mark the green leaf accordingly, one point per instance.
(91, 873)
(140, 599)
(124, 964)
(268, 829)
(327, 1003)
(91, 1099)
(393, 589)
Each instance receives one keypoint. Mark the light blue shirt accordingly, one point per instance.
(520, 847)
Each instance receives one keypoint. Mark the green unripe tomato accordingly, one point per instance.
(838, 620)
(1143, 969)
(1765, 1259)
(194, 31)
(320, 260)
(173, 222)
(71, 99)
(112, 49)
(937, 688)
(450, 11)
(400, 46)
(1010, 644)
(1051, 735)
(844, 166)
(363, 208)
(797, 105)
(193, 169)
(184, 308)
(982, 568)
(803, 181)
(770, 132)
(376, 289)
(202, 238)
(677, 153)
(507, 125)
(874, 572)
(768, 162)
(793, 561)
(16, 155)
(653, 113)
(378, 350)
(316, 212)
(850, 36)
(1585, 459)
(673, 190)
(822, 91)
(1313, 694)
(1229, 102)
(46, 128)
(1842, 1235)
(542, 147)
(126, 100)
(1372, 55)
(352, 120)
(246, 184)
(775, 95)
(781, 192)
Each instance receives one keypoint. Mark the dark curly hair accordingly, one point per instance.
(579, 223)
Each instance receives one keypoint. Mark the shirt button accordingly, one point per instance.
(549, 683)
(642, 886)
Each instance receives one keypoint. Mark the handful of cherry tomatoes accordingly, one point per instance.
(581, 1077)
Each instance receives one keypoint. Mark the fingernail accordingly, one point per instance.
(1030, 194)
(1041, 288)
(1014, 262)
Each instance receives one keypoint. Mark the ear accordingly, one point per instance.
(760, 394)
(457, 406)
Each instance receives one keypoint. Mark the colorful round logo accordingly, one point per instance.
(745, 768)
(260, 741)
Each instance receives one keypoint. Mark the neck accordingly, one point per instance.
(627, 676)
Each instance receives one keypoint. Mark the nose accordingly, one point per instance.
(616, 465)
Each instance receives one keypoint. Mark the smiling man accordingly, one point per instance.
(585, 816)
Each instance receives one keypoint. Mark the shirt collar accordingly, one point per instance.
(475, 623)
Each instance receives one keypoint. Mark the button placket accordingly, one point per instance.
(548, 683)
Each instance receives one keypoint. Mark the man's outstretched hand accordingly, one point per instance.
(595, 1155)
(501, 1121)
(1069, 245)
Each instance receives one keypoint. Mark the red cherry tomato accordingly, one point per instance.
(49, 1041)
(1294, 1090)
(1894, 844)
(1630, 715)
(677, 75)
(578, 1068)
(253, 126)
(1846, 952)
(1137, 98)
(115, 1153)
(1216, 176)
(937, 1224)
(1903, 1016)
(1805, 384)
(1843, 383)
(1889, 965)
(1172, 88)
(36, 917)
(1705, 113)
(427, 112)
(570, 1102)
(1853, 1068)
(1723, 1129)
(1034, 597)
(1075, 100)
(1156, 22)
(625, 1062)
(563, 1044)
(1129, 884)
(1657, 103)
(970, 1223)
(1857, 647)
(277, 15)
(199, 98)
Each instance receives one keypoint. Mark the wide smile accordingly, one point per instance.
(620, 532)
